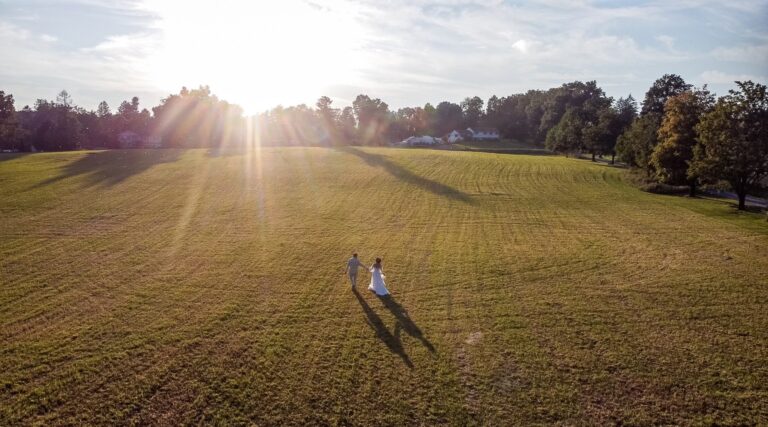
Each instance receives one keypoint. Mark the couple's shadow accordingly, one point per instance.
(403, 323)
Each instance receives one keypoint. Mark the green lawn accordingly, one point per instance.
(502, 146)
(179, 287)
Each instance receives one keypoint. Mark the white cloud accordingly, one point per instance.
(667, 41)
(41, 68)
(263, 53)
(719, 77)
(477, 48)
(521, 45)
(743, 53)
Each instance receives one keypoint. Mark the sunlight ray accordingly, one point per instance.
(191, 206)
(253, 160)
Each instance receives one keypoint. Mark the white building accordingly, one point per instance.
(420, 140)
(454, 137)
(131, 139)
(153, 141)
(484, 134)
(458, 136)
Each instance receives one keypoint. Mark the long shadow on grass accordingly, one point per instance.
(409, 177)
(111, 167)
(404, 321)
(393, 342)
(517, 151)
(11, 156)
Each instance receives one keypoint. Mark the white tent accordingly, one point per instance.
(421, 140)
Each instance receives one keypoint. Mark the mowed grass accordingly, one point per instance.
(185, 287)
(505, 146)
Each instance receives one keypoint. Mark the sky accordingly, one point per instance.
(259, 54)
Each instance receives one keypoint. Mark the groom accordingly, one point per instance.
(352, 266)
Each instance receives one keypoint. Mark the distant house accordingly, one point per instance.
(420, 141)
(131, 139)
(153, 141)
(458, 136)
(479, 134)
(484, 134)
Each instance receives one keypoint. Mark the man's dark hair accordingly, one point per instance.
(354, 254)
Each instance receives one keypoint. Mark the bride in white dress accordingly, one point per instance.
(377, 279)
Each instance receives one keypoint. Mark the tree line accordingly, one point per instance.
(197, 118)
(681, 135)
(191, 118)
(686, 136)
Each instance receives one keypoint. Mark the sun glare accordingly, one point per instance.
(257, 54)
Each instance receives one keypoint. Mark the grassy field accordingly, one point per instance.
(505, 146)
(177, 287)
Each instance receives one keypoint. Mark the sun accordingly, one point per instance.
(257, 54)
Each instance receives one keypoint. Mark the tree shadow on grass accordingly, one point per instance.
(407, 176)
(605, 162)
(392, 341)
(11, 156)
(748, 208)
(404, 321)
(107, 168)
(516, 151)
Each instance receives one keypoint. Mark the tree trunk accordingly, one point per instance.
(613, 158)
(742, 200)
(593, 157)
(740, 188)
(692, 189)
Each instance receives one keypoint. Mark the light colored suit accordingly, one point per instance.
(352, 265)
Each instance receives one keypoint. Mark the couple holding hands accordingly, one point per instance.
(377, 276)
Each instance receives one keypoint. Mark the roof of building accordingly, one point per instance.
(486, 130)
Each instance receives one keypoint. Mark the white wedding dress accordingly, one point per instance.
(377, 282)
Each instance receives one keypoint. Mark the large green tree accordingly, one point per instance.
(585, 99)
(567, 136)
(448, 116)
(130, 118)
(54, 126)
(346, 125)
(635, 145)
(600, 136)
(327, 115)
(372, 119)
(518, 116)
(103, 110)
(473, 111)
(733, 140)
(105, 130)
(665, 87)
(626, 113)
(191, 118)
(626, 109)
(579, 127)
(638, 141)
(411, 120)
(9, 124)
(672, 156)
